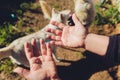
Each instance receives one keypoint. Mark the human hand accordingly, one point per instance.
(42, 66)
(71, 36)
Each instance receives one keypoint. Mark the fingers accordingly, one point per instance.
(76, 20)
(57, 40)
(57, 43)
(43, 47)
(49, 52)
(28, 51)
(46, 51)
(22, 72)
(60, 25)
(35, 48)
(56, 32)
(54, 37)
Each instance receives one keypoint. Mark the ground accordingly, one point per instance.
(76, 64)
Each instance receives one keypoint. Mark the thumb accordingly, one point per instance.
(76, 20)
(22, 72)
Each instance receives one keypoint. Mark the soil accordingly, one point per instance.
(76, 64)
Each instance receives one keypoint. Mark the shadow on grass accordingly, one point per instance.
(83, 69)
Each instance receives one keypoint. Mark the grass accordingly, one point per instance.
(4, 66)
(6, 33)
(106, 13)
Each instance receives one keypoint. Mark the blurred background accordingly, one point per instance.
(22, 17)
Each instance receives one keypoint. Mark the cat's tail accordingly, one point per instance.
(6, 52)
(46, 9)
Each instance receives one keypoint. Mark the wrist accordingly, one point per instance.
(84, 40)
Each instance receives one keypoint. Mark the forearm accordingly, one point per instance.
(97, 44)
